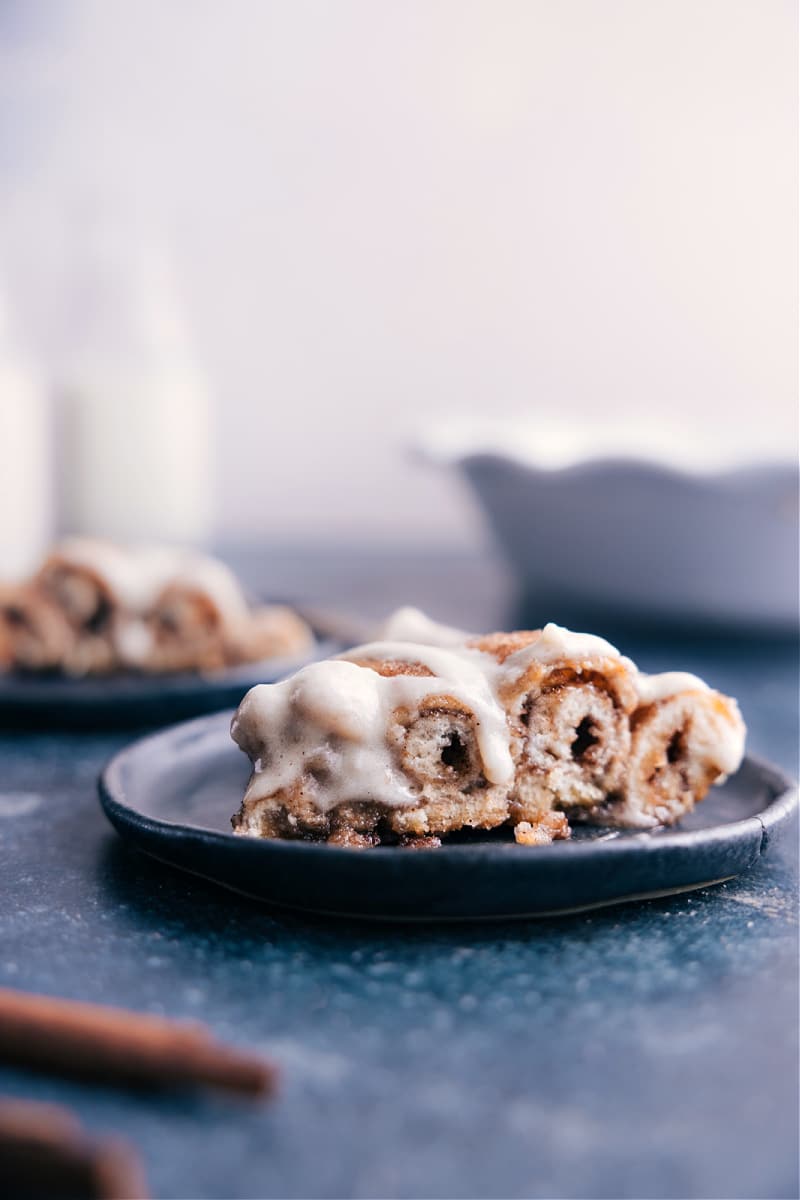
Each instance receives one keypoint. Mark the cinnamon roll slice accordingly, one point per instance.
(568, 698)
(397, 741)
(685, 737)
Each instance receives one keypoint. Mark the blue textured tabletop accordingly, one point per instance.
(645, 1050)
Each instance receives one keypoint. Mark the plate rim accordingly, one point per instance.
(35, 691)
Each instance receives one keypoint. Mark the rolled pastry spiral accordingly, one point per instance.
(436, 746)
(681, 744)
(570, 720)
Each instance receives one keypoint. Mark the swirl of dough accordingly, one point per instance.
(568, 698)
(685, 737)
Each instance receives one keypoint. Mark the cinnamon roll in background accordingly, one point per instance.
(34, 634)
(201, 620)
(271, 631)
(96, 607)
(94, 586)
(410, 741)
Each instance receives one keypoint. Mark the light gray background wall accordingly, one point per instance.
(380, 211)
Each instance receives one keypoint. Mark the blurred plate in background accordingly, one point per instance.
(126, 699)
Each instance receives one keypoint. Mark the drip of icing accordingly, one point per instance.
(719, 734)
(726, 734)
(332, 719)
(555, 644)
(460, 676)
(652, 688)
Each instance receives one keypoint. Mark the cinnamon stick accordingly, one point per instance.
(45, 1153)
(116, 1045)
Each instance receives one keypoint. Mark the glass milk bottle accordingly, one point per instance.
(136, 439)
(25, 488)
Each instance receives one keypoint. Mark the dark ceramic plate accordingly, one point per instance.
(172, 795)
(130, 699)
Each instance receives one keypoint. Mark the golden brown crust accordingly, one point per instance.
(611, 675)
(502, 645)
(551, 827)
(291, 814)
(389, 668)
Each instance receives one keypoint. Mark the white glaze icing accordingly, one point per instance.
(124, 576)
(719, 736)
(556, 644)
(333, 717)
(134, 641)
(460, 675)
(652, 688)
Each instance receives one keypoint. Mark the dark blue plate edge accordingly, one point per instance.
(745, 841)
(138, 702)
(18, 690)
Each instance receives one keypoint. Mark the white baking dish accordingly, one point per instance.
(636, 522)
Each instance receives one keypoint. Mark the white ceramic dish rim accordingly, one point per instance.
(554, 448)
